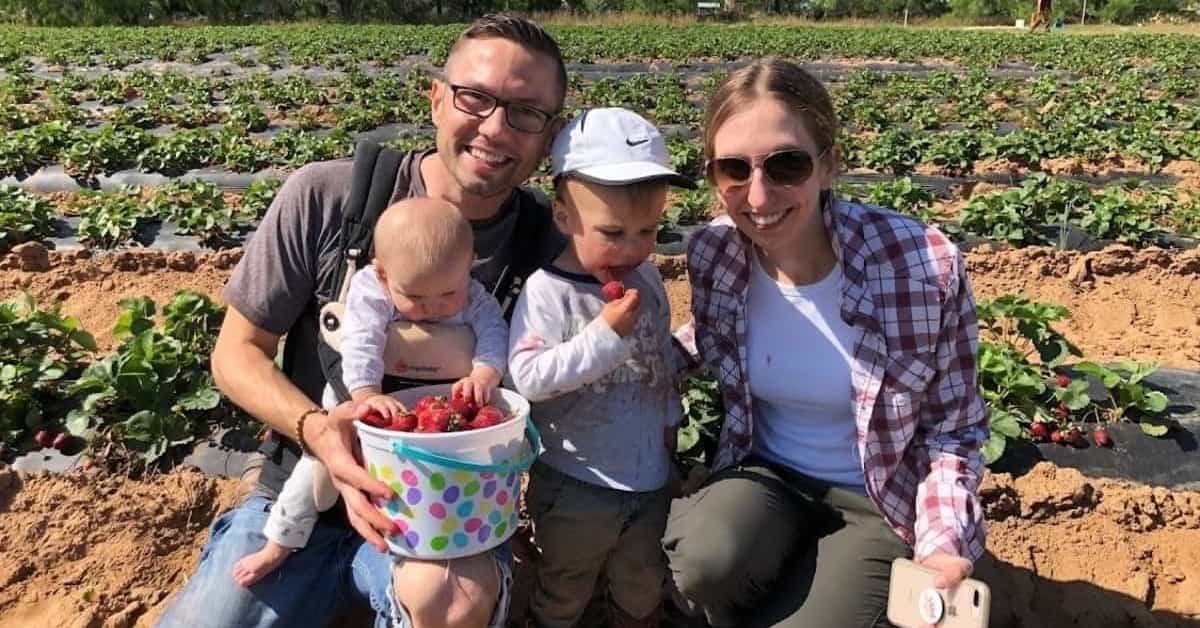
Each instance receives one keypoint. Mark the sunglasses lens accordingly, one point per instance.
(790, 167)
(730, 171)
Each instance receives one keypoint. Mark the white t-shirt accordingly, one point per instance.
(799, 352)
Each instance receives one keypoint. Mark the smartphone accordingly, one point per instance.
(914, 602)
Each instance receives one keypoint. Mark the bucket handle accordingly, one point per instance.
(424, 455)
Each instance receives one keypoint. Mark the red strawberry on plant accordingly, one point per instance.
(1058, 437)
(466, 407)
(1039, 432)
(43, 439)
(406, 422)
(1063, 381)
(612, 290)
(487, 417)
(433, 420)
(1062, 411)
(60, 441)
(1101, 437)
(1074, 437)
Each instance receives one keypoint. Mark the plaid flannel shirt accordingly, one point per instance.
(914, 390)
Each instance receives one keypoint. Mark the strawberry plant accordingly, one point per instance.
(197, 207)
(1127, 396)
(109, 220)
(247, 117)
(23, 217)
(257, 198)
(904, 196)
(105, 151)
(691, 207)
(1116, 214)
(175, 154)
(703, 415)
(896, 151)
(155, 391)
(40, 349)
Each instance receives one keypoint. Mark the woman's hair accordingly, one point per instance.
(782, 80)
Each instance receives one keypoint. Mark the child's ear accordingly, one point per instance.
(562, 216)
(379, 272)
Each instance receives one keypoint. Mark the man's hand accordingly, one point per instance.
(332, 439)
(621, 314)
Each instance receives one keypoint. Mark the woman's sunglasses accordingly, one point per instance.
(785, 167)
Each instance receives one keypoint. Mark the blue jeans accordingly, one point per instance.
(335, 570)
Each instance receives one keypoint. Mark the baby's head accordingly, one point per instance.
(424, 249)
(611, 174)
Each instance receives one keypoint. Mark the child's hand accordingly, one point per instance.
(477, 386)
(621, 314)
(385, 405)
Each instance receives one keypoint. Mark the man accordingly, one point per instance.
(496, 112)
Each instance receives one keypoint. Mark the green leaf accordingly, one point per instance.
(994, 447)
(1154, 429)
(79, 422)
(1154, 401)
(1006, 424)
(205, 398)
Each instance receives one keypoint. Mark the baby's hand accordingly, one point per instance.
(477, 386)
(385, 405)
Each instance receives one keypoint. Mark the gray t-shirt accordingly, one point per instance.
(287, 268)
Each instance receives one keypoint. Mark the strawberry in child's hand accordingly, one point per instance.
(374, 419)
(612, 290)
(466, 407)
(1039, 432)
(1101, 437)
(432, 421)
(487, 417)
(406, 422)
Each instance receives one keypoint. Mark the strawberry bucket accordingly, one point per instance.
(456, 492)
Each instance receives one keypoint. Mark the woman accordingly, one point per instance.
(843, 337)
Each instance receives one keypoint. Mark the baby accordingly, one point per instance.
(421, 272)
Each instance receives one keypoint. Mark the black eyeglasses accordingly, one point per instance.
(481, 104)
(788, 167)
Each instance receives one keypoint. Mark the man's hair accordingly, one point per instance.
(521, 31)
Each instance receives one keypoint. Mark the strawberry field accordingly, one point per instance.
(135, 162)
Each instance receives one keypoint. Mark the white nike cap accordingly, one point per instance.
(613, 146)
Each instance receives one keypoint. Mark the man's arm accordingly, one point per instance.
(244, 369)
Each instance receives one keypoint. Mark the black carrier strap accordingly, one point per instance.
(376, 172)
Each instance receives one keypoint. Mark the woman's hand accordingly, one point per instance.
(332, 439)
(951, 569)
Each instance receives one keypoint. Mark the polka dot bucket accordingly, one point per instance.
(456, 493)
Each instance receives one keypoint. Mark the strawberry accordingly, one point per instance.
(487, 417)
(612, 290)
(1101, 437)
(1062, 411)
(403, 422)
(1063, 381)
(43, 439)
(1057, 437)
(429, 402)
(466, 407)
(1039, 432)
(60, 441)
(433, 420)
(375, 419)
(1074, 437)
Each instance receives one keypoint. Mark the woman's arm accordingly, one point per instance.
(953, 429)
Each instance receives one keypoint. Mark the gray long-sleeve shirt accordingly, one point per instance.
(600, 401)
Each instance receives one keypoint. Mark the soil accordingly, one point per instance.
(99, 551)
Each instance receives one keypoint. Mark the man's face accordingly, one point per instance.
(485, 156)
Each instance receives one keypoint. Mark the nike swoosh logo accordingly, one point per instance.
(637, 143)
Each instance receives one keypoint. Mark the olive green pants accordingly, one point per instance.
(761, 545)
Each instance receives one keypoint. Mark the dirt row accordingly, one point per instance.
(1125, 303)
(96, 551)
